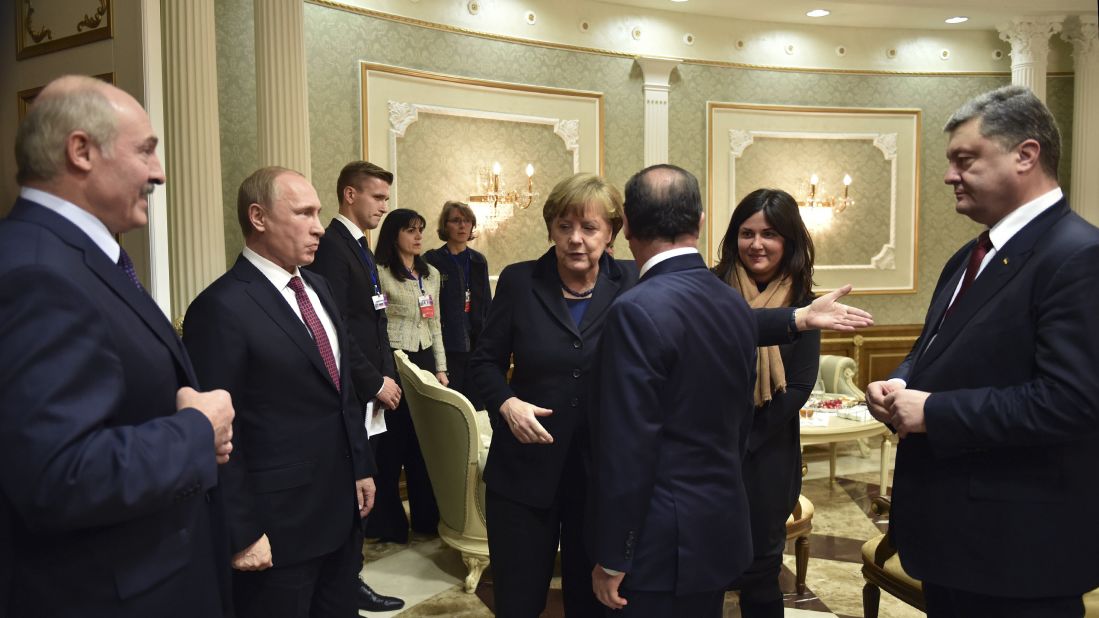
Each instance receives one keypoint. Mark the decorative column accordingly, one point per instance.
(281, 104)
(196, 237)
(1084, 195)
(656, 71)
(1029, 38)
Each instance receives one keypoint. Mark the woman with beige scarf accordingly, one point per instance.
(767, 255)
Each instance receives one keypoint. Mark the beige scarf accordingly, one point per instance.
(770, 374)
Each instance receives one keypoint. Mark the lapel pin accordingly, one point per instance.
(1005, 261)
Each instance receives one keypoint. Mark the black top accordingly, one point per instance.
(461, 329)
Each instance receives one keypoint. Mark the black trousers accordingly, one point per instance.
(323, 587)
(645, 604)
(522, 547)
(399, 448)
(943, 602)
(457, 372)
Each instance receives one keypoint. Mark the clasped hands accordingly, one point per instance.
(893, 404)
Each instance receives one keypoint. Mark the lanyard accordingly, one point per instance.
(419, 279)
(464, 263)
(370, 267)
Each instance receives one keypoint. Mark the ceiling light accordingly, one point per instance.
(679, 0)
(957, 20)
(818, 13)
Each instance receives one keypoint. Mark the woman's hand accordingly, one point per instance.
(522, 418)
(442, 378)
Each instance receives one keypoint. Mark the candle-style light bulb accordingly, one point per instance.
(496, 168)
(846, 184)
(530, 170)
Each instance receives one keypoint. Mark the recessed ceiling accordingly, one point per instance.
(982, 14)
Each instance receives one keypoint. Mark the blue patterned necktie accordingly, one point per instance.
(127, 266)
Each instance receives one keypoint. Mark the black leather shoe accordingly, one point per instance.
(371, 601)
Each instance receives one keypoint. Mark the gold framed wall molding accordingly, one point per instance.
(26, 97)
(873, 245)
(45, 26)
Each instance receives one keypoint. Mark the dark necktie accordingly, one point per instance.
(976, 256)
(315, 327)
(366, 253)
(127, 265)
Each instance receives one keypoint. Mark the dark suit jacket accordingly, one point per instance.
(299, 444)
(985, 499)
(553, 359)
(452, 298)
(104, 484)
(339, 259)
(676, 372)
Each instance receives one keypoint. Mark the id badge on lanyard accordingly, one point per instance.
(380, 301)
(469, 301)
(427, 306)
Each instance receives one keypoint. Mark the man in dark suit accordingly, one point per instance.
(345, 259)
(996, 403)
(299, 481)
(107, 453)
(677, 369)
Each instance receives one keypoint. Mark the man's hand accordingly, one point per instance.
(390, 395)
(217, 407)
(522, 419)
(364, 491)
(605, 586)
(255, 557)
(826, 314)
(875, 399)
(907, 408)
(441, 376)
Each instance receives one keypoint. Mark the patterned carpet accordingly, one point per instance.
(428, 575)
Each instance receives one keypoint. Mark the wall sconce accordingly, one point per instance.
(490, 191)
(817, 210)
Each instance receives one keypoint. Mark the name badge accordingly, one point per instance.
(427, 306)
(380, 301)
(468, 301)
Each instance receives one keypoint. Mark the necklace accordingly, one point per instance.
(583, 294)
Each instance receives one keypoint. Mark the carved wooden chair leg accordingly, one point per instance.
(871, 594)
(801, 557)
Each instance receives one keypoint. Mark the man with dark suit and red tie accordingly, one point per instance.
(996, 405)
(108, 454)
(345, 259)
(299, 481)
(676, 376)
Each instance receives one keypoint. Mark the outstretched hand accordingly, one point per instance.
(825, 313)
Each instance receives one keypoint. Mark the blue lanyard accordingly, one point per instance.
(370, 267)
(419, 279)
(464, 262)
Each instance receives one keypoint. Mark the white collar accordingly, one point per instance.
(665, 255)
(276, 274)
(86, 221)
(1017, 219)
(356, 233)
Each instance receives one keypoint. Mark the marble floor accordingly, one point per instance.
(428, 575)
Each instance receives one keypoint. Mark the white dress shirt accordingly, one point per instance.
(86, 221)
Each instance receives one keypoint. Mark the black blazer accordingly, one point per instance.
(298, 443)
(553, 359)
(452, 298)
(670, 428)
(104, 502)
(339, 259)
(980, 501)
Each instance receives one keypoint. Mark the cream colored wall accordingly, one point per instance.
(337, 40)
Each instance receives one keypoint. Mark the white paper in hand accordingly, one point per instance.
(375, 418)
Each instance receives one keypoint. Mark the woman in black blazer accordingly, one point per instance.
(547, 317)
(767, 255)
(463, 294)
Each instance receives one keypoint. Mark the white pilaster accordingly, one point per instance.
(1084, 195)
(1029, 39)
(196, 237)
(281, 103)
(656, 72)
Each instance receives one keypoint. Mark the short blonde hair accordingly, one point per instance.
(465, 211)
(573, 194)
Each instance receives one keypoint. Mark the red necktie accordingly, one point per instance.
(976, 256)
(315, 327)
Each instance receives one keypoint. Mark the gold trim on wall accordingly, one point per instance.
(29, 39)
(411, 21)
(26, 97)
(484, 83)
(712, 106)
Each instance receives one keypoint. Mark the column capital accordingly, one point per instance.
(1029, 36)
(1084, 37)
(657, 71)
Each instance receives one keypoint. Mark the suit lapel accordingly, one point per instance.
(606, 289)
(274, 304)
(141, 303)
(1004, 266)
(354, 247)
(547, 289)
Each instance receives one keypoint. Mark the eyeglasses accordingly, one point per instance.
(459, 221)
